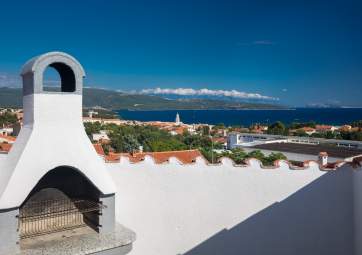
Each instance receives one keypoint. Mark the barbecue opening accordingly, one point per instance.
(63, 199)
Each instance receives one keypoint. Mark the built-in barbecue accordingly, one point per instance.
(53, 185)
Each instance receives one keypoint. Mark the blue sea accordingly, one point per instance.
(332, 116)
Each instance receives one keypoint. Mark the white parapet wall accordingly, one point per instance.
(201, 209)
(358, 211)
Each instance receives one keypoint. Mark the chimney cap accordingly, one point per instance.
(32, 64)
(70, 71)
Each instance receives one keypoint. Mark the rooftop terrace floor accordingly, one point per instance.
(333, 151)
(80, 241)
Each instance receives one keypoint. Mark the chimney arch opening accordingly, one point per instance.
(59, 77)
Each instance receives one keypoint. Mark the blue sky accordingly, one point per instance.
(302, 52)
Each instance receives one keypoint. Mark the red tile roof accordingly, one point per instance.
(179, 130)
(112, 157)
(8, 137)
(323, 154)
(308, 129)
(185, 157)
(219, 139)
(5, 147)
(99, 149)
(323, 127)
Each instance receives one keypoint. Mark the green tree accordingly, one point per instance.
(7, 118)
(330, 135)
(130, 143)
(219, 126)
(356, 136)
(238, 155)
(269, 160)
(300, 132)
(167, 145)
(357, 123)
(92, 128)
(197, 141)
(297, 125)
(277, 128)
(209, 155)
(205, 130)
(256, 154)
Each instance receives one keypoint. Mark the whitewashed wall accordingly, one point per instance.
(200, 209)
(358, 211)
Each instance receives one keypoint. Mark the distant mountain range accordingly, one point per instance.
(113, 100)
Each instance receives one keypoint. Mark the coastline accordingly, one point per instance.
(247, 117)
(217, 109)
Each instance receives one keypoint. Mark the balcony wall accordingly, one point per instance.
(199, 209)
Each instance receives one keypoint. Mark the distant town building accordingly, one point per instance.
(177, 120)
(308, 130)
(345, 128)
(323, 158)
(259, 129)
(7, 139)
(236, 139)
(91, 112)
(294, 147)
(107, 121)
(101, 137)
(6, 131)
(325, 128)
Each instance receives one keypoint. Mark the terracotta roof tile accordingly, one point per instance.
(5, 147)
(323, 153)
(219, 139)
(185, 157)
(323, 127)
(135, 157)
(308, 129)
(99, 149)
(8, 137)
(112, 157)
(180, 130)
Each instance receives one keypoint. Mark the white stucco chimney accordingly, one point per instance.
(52, 150)
(52, 134)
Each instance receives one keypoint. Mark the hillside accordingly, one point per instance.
(113, 100)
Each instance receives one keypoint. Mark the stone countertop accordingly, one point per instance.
(82, 243)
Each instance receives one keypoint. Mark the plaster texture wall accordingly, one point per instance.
(199, 209)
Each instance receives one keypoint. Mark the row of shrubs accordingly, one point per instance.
(239, 156)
